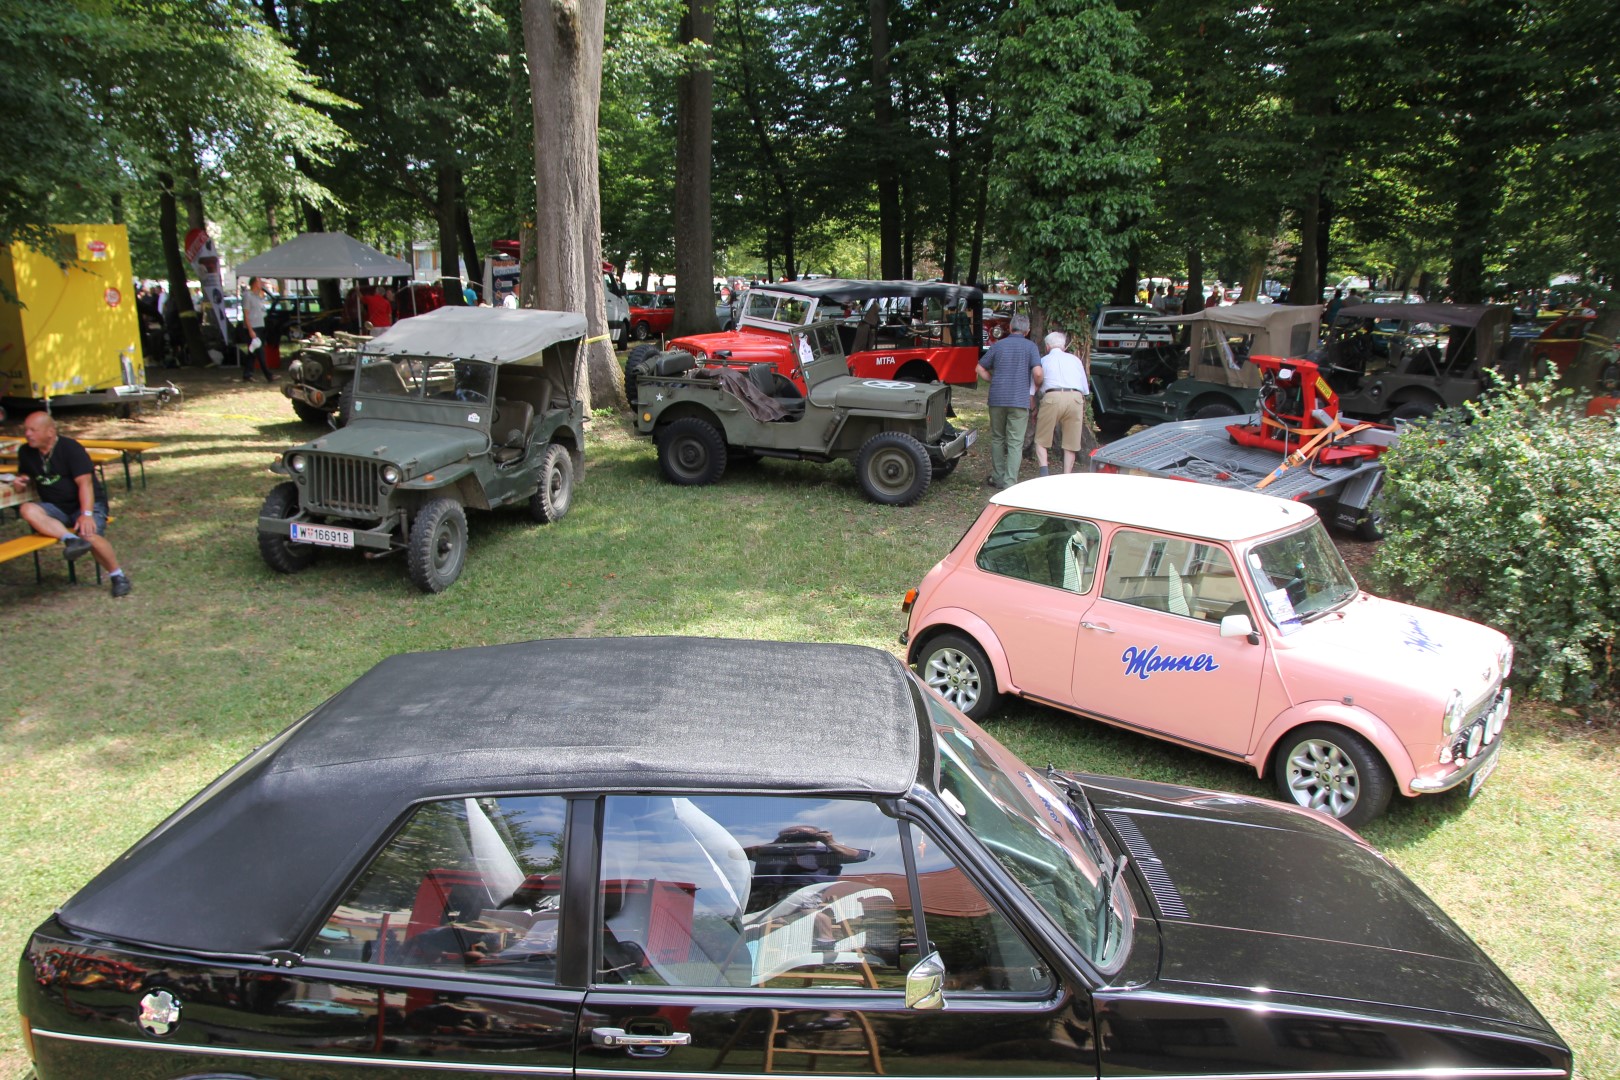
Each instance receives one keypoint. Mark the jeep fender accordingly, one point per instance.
(949, 619)
(1350, 717)
(434, 479)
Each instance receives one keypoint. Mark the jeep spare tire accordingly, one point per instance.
(279, 552)
(893, 468)
(556, 492)
(438, 545)
(691, 452)
(637, 355)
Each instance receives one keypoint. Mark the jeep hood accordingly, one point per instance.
(878, 395)
(417, 446)
(1401, 644)
(1281, 901)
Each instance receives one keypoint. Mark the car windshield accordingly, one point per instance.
(1299, 577)
(1035, 832)
(415, 377)
(772, 307)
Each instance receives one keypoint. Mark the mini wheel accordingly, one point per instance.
(1334, 770)
(956, 668)
(556, 492)
(279, 552)
(691, 452)
(893, 468)
(438, 545)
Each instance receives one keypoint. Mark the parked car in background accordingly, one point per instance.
(651, 314)
(1220, 620)
(1125, 329)
(662, 857)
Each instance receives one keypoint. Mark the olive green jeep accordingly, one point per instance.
(461, 407)
(703, 415)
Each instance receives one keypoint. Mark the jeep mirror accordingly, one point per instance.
(1239, 626)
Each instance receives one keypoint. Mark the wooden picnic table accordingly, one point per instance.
(100, 454)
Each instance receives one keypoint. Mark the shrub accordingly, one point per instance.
(1508, 512)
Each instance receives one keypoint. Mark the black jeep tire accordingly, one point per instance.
(893, 468)
(438, 545)
(691, 452)
(310, 414)
(1414, 410)
(1332, 769)
(1370, 527)
(1113, 425)
(956, 668)
(556, 492)
(637, 355)
(344, 413)
(279, 552)
(1214, 409)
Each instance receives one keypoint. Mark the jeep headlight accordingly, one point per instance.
(296, 463)
(1454, 712)
(698, 354)
(390, 475)
(1504, 659)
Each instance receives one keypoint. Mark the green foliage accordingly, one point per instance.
(1508, 512)
(1071, 163)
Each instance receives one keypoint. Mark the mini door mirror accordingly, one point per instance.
(925, 983)
(1239, 626)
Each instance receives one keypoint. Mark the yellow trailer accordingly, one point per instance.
(75, 338)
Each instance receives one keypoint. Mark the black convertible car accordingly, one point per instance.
(657, 857)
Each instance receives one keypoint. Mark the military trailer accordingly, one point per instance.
(701, 417)
(319, 375)
(461, 407)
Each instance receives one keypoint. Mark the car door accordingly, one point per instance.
(440, 960)
(1038, 587)
(750, 935)
(1151, 653)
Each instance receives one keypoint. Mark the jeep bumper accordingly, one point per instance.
(952, 449)
(382, 537)
(310, 395)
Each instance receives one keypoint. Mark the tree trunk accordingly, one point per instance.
(1306, 286)
(953, 180)
(1193, 298)
(1324, 226)
(174, 262)
(981, 211)
(330, 289)
(449, 178)
(469, 249)
(564, 42)
(272, 224)
(694, 156)
(1125, 284)
(785, 197)
(117, 201)
(888, 183)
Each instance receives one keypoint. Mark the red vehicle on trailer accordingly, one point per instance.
(907, 331)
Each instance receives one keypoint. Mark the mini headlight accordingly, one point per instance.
(390, 474)
(1454, 712)
(1504, 659)
(1476, 739)
(295, 462)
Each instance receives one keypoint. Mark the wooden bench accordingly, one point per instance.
(33, 544)
(131, 449)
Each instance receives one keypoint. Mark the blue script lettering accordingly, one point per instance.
(1142, 664)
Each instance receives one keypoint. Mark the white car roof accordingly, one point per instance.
(1151, 502)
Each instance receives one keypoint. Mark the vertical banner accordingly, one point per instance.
(201, 254)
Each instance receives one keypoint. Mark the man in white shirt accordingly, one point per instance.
(1062, 378)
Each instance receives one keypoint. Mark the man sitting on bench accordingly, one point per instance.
(72, 503)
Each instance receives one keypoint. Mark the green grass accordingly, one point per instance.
(114, 713)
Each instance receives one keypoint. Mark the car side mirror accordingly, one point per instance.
(1239, 626)
(925, 983)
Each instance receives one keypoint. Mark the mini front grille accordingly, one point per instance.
(343, 485)
(1164, 891)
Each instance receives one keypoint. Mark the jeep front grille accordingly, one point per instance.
(343, 485)
(936, 413)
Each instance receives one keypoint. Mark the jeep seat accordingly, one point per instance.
(509, 429)
(774, 385)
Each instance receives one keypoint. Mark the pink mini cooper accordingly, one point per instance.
(1218, 619)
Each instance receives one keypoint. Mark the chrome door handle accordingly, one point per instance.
(618, 1037)
(1095, 626)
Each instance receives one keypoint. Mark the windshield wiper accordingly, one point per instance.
(1089, 828)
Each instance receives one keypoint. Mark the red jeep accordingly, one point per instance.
(910, 331)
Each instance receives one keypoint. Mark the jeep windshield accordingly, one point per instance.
(1299, 577)
(776, 309)
(1046, 841)
(418, 379)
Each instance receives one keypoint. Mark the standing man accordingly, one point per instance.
(1009, 365)
(72, 503)
(254, 304)
(1063, 402)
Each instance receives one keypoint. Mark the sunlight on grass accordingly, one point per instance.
(115, 713)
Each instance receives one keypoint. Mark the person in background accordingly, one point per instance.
(1214, 298)
(1333, 307)
(379, 305)
(1063, 402)
(72, 504)
(254, 305)
(1009, 365)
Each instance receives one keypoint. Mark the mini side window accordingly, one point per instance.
(466, 884)
(1044, 549)
(1172, 574)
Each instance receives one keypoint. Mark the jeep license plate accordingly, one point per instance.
(324, 535)
(973, 436)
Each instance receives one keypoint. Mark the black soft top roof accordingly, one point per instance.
(1444, 314)
(843, 289)
(254, 860)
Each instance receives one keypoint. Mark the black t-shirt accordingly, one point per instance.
(56, 477)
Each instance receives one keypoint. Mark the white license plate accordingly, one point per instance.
(1477, 781)
(324, 535)
(973, 437)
